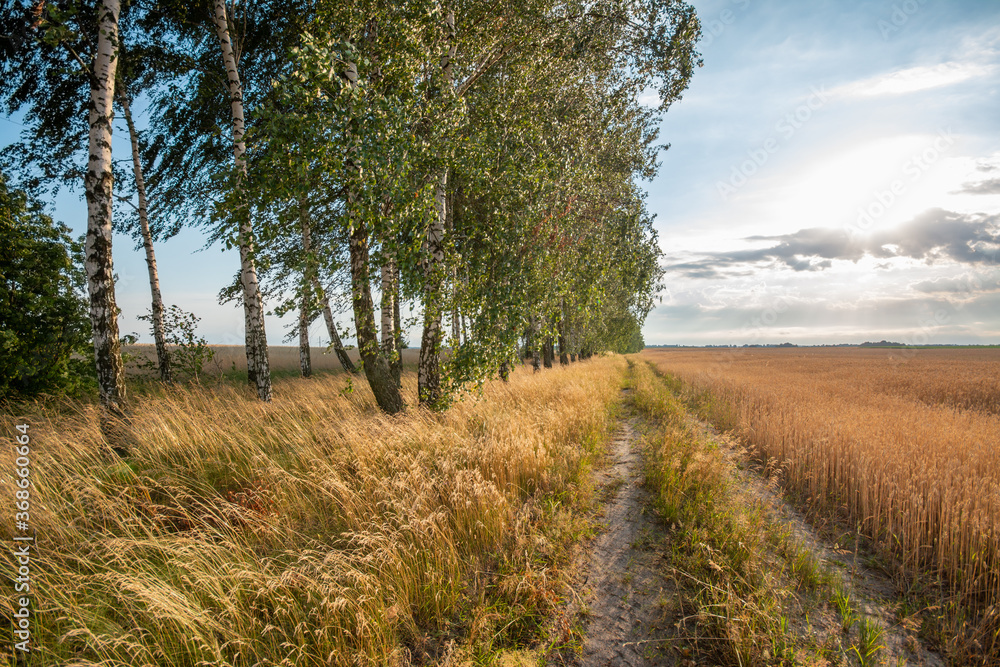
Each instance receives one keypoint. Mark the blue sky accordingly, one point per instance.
(833, 176)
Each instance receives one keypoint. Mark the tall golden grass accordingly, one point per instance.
(282, 358)
(904, 442)
(311, 531)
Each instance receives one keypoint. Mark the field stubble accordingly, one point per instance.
(314, 530)
(902, 445)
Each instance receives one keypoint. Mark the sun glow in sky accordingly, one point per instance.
(835, 165)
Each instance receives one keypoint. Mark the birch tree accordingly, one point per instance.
(98, 188)
(145, 231)
(220, 60)
(258, 370)
(300, 211)
(62, 64)
(466, 153)
(351, 104)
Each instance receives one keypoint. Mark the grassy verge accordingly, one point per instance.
(313, 530)
(897, 454)
(954, 624)
(748, 587)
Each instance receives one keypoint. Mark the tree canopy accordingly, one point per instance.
(481, 161)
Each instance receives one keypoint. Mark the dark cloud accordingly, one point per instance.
(939, 235)
(988, 187)
(933, 236)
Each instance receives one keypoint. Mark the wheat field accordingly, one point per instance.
(904, 443)
(314, 530)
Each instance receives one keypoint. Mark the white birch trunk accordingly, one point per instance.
(456, 330)
(428, 369)
(536, 362)
(159, 336)
(331, 327)
(258, 370)
(397, 330)
(305, 360)
(98, 188)
(563, 350)
(386, 307)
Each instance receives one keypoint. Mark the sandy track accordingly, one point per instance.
(873, 593)
(624, 582)
(624, 597)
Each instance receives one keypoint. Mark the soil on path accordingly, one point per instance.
(625, 595)
(624, 588)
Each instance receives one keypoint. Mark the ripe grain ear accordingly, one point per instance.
(904, 442)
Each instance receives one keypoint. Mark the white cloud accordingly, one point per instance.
(649, 98)
(913, 79)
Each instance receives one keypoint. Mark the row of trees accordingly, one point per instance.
(478, 158)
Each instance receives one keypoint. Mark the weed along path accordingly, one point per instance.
(699, 560)
(624, 583)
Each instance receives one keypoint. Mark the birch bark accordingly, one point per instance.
(563, 349)
(159, 336)
(397, 363)
(98, 188)
(428, 369)
(258, 370)
(456, 331)
(390, 313)
(305, 361)
(533, 343)
(374, 363)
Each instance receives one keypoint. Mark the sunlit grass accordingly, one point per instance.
(901, 443)
(736, 569)
(314, 530)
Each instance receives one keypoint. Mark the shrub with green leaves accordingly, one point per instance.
(189, 352)
(44, 317)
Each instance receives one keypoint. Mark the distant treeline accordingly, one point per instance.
(867, 344)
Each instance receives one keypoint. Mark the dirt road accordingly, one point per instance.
(625, 585)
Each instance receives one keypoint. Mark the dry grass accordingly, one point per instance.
(284, 360)
(904, 443)
(740, 576)
(311, 531)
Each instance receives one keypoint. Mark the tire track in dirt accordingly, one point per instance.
(625, 596)
(624, 585)
(873, 594)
